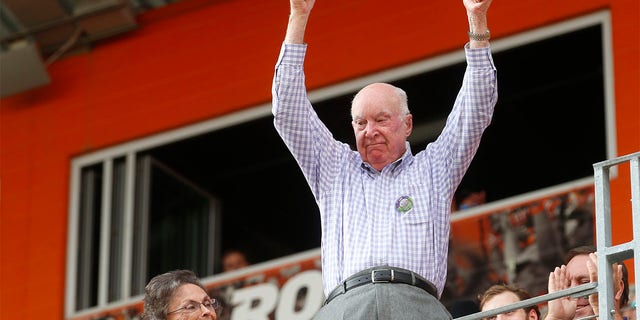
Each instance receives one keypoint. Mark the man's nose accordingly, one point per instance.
(371, 129)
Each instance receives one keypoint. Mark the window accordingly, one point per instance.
(173, 225)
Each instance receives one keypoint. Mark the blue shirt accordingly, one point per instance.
(400, 215)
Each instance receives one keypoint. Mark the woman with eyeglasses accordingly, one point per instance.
(178, 295)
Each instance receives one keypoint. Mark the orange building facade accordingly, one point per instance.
(198, 60)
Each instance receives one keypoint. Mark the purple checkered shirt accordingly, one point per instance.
(364, 219)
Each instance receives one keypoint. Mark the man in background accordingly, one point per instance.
(581, 267)
(501, 295)
(234, 259)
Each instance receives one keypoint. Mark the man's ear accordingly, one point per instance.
(532, 315)
(408, 120)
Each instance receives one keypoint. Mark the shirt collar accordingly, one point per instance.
(394, 168)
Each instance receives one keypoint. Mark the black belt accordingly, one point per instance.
(382, 275)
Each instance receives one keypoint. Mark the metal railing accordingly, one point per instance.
(606, 251)
(574, 292)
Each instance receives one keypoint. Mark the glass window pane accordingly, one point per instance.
(117, 228)
(89, 236)
(174, 227)
(178, 225)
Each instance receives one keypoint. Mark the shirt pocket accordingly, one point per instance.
(417, 198)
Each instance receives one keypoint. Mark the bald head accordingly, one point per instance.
(391, 95)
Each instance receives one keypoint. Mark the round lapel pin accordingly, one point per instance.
(404, 204)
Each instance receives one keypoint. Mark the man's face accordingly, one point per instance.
(379, 125)
(579, 274)
(234, 261)
(503, 299)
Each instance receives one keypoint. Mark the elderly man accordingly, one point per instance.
(384, 211)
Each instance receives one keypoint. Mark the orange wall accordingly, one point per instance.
(198, 59)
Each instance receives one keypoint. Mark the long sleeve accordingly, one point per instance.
(308, 139)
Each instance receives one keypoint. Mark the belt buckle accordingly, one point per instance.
(373, 276)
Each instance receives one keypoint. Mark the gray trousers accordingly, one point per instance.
(381, 301)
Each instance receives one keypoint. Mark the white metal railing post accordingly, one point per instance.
(635, 211)
(603, 236)
(607, 252)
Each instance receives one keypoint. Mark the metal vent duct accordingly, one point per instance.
(21, 68)
(33, 33)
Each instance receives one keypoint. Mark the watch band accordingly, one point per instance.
(479, 36)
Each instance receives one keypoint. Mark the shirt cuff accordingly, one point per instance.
(478, 57)
(292, 54)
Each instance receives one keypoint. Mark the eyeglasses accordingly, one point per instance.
(193, 306)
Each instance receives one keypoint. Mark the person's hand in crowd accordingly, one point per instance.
(562, 308)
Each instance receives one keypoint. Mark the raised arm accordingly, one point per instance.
(300, 10)
(478, 28)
